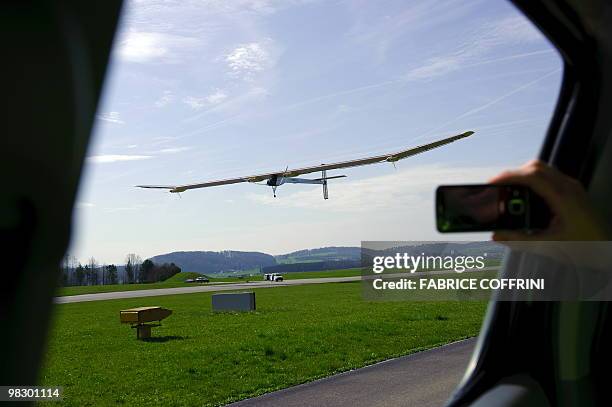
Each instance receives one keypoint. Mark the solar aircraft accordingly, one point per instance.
(292, 176)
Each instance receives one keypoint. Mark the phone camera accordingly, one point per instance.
(516, 206)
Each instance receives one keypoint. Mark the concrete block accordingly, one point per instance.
(233, 302)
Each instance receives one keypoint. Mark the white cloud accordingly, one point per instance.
(165, 99)
(111, 158)
(125, 208)
(492, 102)
(514, 29)
(503, 33)
(163, 140)
(235, 104)
(436, 66)
(84, 205)
(258, 6)
(194, 102)
(203, 8)
(343, 109)
(131, 146)
(217, 96)
(111, 117)
(254, 94)
(158, 141)
(174, 150)
(139, 46)
(246, 60)
(404, 188)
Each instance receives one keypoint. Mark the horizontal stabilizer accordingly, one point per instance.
(334, 177)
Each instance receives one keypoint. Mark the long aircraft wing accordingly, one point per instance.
(392, 157)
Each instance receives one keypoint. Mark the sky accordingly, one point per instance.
(200, 90)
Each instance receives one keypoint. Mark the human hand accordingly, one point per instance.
(573, 216)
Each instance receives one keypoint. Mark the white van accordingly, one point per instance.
(273, 277)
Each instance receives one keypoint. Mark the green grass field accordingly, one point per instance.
(177, 280)
(182, 276)
(296, 335)
(322, 274)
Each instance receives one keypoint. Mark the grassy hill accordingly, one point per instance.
(321, 254)
(178, 280)
(207, 262)
(182, 276)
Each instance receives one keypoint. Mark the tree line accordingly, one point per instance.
(74, 273)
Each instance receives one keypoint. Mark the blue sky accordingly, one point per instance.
(203, 90)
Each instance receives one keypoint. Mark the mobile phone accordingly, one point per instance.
(487, 207)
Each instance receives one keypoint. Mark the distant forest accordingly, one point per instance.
(73, 273)
(163, 266)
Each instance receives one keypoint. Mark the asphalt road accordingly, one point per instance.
(422, 379)
(197, 289)
(229, 286)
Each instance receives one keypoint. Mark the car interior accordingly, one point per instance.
(554, 353)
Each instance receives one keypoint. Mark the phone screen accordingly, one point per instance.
(470, 208)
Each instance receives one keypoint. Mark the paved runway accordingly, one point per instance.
(424, 379)
(197, 289)
(227, 287)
